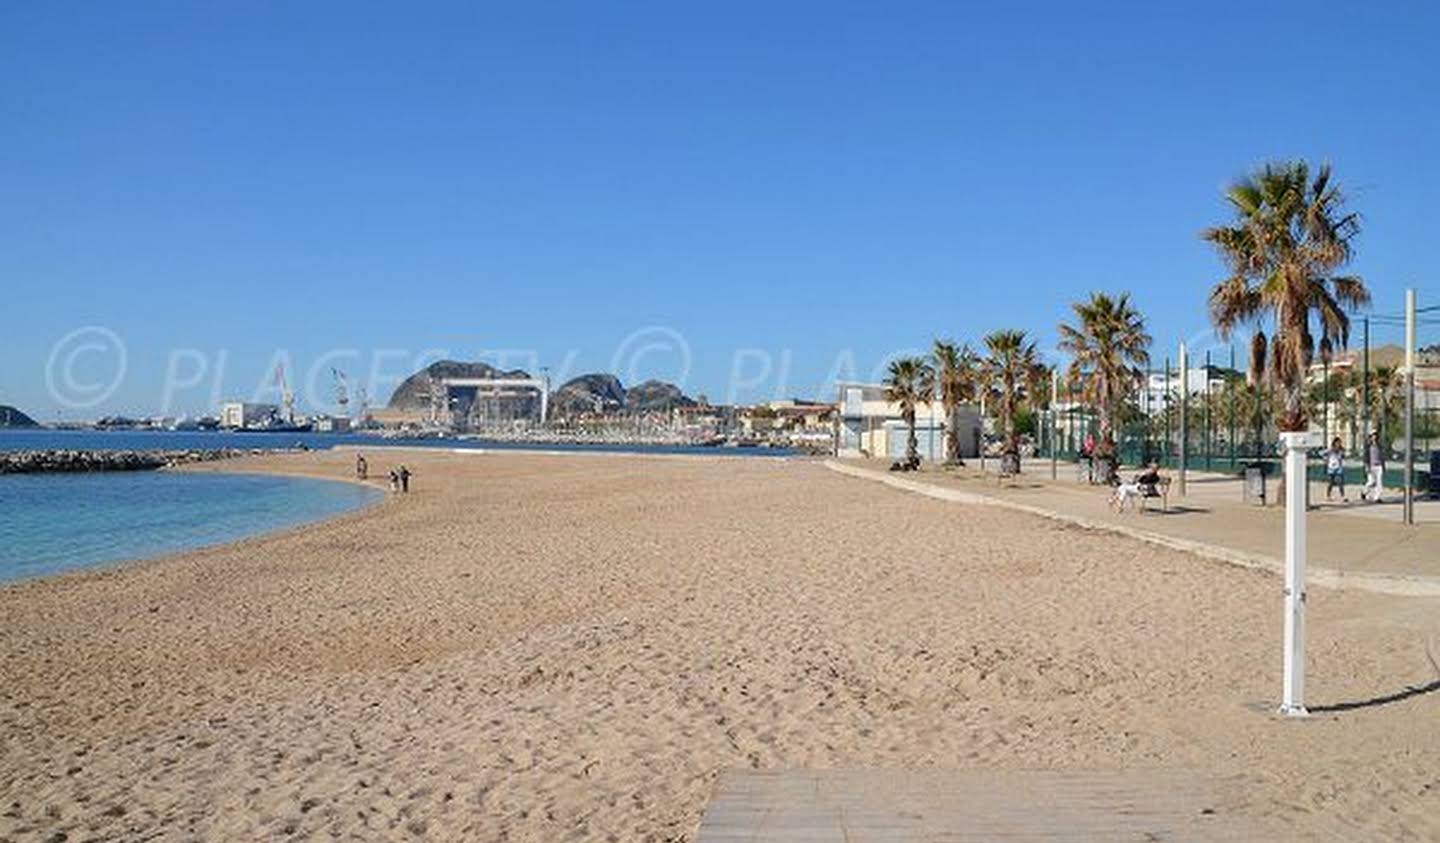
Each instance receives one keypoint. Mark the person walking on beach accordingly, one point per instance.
(1335, 469)
(404, 479)
(394, 480)
(1374, 470)
(362, 468)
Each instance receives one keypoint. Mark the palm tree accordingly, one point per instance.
(1387, 401)
(906, 385)
(1012, 372)
(1289, 237)
(1108, 346)
(956, 375)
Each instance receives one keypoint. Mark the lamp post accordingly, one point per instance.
(1410, 406)
(1184, 415)
(1054, 408)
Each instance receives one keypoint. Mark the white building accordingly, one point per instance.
(870, 425)
(1161, 388)
(235, 415)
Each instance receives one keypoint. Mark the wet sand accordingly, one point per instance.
(535, 647)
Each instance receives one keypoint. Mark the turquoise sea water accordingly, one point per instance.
(59, 522)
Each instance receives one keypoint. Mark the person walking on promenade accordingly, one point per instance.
(404, 479)
(362, 468)
(1374, 470)
(1335, 469)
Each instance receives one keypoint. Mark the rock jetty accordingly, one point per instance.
(54, 461)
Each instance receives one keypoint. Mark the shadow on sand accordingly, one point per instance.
(1387, 699)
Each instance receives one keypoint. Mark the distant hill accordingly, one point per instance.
(414, 392)
(592, 393)
(602, 393)
(655, 396)
(596, 392)
(11, 417)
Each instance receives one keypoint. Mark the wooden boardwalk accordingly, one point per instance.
(887, 806)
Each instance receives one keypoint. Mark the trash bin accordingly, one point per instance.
(1255, 482)
(1104, 469)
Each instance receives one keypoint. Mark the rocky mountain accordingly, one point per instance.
(593, 393)
(588, 394)
(414, 392)
(11, 417)
(655, 396)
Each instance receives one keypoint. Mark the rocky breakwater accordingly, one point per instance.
(58, 461)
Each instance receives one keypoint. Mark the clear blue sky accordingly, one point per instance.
(820, 178)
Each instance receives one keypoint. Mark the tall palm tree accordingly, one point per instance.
(1013, 373)
(1387, 401)
(1290, 236)
(906, 385)
(957, 377)
(1108, 346)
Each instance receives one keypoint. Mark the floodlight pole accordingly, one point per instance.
(1184, 416)
(1410, 406)
(1295, 446)
(1054, 416)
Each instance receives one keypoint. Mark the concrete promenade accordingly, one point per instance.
(1354, 545)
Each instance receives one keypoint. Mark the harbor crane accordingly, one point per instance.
(287, 397)
(342, 390)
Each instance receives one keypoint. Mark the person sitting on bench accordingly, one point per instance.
(1152, 485)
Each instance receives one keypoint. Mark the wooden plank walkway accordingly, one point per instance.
(887, 806)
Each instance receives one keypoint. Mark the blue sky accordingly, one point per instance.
(804, 186)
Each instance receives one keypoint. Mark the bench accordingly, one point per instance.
(1159, 489)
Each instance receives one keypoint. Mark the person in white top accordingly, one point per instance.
(1374, 470)
(1335, 469)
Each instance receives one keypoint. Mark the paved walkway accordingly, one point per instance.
(1354, 546)
(888, 806)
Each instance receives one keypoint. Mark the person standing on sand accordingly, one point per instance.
(362, 468)
(394, 480)
(404, 479)
(1335, 469)
(1374, 470)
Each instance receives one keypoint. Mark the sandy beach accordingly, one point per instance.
(532, 647)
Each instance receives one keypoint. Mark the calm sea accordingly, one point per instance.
(58, 522)
(139, 440)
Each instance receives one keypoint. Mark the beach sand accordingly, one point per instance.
(533, 647)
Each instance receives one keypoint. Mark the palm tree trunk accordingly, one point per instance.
(952, 436)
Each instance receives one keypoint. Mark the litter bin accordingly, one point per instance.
(1105, 467)
(1255, 482)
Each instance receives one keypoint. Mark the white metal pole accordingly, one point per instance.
(1054, 417)
(1295, 446)
(1410, 406)
(1184, 415)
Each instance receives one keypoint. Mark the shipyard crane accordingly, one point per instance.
(287, 397)
(362, 405)
(342, 390)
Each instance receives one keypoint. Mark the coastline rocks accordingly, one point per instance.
(59, 461)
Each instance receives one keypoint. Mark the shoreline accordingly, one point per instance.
(110, 567)
(551, 647)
